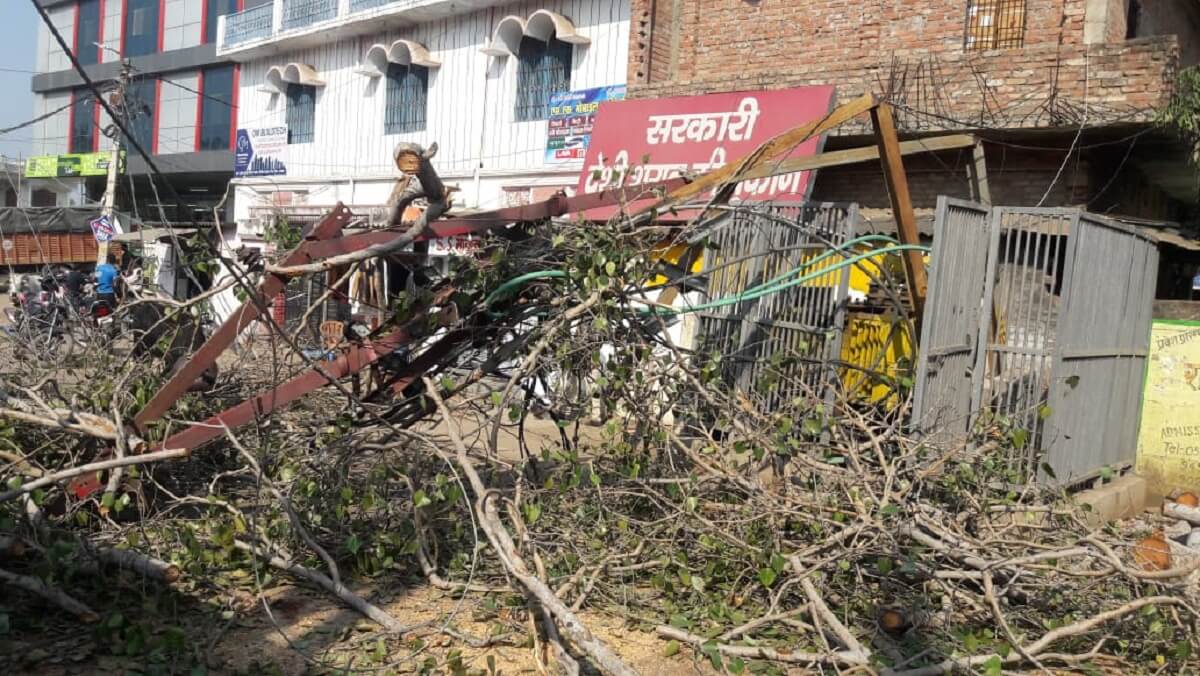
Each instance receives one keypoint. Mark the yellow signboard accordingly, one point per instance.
(63, 166)
(1169, 439)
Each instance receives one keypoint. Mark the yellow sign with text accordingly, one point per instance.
(1169, 439)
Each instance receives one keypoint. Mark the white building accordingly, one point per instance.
(352, 78)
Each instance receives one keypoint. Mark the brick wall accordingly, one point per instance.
(911, 50)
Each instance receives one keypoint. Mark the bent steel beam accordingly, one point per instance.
(330, 226)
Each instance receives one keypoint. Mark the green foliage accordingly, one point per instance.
(282, 233)
(1182, 113)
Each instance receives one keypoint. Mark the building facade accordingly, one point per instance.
(349, 79)
(1065, 92)
(180, 102)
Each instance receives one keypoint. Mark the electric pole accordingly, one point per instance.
(117, 101)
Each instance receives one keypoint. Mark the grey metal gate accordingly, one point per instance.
(1063, 329)
(781, 345)
(1017, 332)
(1103, 336)
(942, 398)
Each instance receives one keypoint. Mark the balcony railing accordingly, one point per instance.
(301, 13)
(252, 24)
(360, 5)
(280, 17)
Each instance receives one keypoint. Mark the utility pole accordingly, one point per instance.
(117, 101)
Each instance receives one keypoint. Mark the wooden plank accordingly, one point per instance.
(978, 176)
(840, 158)
(902, 208)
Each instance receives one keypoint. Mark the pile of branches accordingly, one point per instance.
(812, 532)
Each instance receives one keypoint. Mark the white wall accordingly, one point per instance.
(470, 109)
(70, 192)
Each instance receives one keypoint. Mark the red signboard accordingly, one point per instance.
(637, 142)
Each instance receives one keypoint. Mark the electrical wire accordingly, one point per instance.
(39, 118)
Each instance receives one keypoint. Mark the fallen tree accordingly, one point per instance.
(753, 529)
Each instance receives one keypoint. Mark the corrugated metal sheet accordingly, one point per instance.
(942, 400)
(1103, 339)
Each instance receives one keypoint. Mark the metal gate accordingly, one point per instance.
(1063, 329)
(942, 398)
(1103, 339)
(782, 345)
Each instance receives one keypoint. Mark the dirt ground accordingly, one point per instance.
(306, 632)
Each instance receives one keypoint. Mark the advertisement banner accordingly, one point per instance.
(572, 117)
(646, 141)
(1169, 436)
(75, 164)
(260, 151)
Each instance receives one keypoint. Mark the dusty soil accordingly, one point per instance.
(305, 633)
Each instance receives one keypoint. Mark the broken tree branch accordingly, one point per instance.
(339, 590)
(489, 522)
(70, 473)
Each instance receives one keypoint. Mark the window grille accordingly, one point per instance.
(543, 70)
(301, 113)
(407, 89)
(995, 24)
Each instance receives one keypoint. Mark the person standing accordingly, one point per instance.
(106, 279)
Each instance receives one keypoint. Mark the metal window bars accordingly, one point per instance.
(407, 89)
(543, 70)
(995, 24)
(247, 25)
(301, 13)
(301, 113)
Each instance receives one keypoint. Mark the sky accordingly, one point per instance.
(18, 42)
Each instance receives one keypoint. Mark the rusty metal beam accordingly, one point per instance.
(902, 208)
(207, 355)
(355, 359)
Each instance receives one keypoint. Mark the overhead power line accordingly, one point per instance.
(37, 119)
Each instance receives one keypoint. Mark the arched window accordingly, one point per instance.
(543, 70)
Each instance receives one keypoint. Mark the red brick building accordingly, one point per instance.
(1064, 91)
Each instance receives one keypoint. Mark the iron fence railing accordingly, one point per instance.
(360, 5)
(301, 13)
(247, 25)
